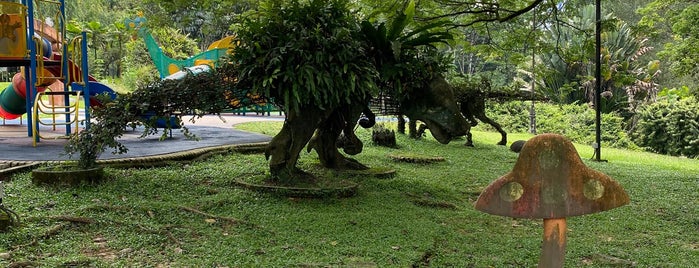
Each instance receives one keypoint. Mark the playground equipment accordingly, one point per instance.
(41, 105)
(42, 52)
(174, 69)
(168, 66)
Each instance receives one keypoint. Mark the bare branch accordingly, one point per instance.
(490, 12)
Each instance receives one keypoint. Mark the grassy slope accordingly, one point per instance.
(139, 219)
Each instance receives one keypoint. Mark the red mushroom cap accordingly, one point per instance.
(550, 181)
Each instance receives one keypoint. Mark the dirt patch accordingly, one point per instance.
(100, 249)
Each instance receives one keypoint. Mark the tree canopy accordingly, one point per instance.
(303, 54)
(652, 46)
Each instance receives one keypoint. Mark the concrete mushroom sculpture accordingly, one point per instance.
(549, 181)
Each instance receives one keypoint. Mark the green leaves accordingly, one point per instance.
(73, 27)
(304, 54)
(400, 37)
(405, 53)
(670, 127)
(568, 74)
(402, 21)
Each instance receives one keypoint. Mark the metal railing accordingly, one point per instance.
(41, 106)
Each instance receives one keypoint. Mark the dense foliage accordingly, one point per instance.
(404, 52)
(495, 40)
(567, 68)
(670, 126)
(575, 121)
(203, 20)
(304, 54)
(672, 24)
(194, 94)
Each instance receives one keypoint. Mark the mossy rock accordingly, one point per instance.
(382, 136)
(68, 175)
(319, 188)
(416, 158)
(517, 146)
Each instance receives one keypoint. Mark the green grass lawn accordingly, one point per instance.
(191, 215)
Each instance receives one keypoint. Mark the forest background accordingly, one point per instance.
(649, 63)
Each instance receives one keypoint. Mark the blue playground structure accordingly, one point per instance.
(50, 76)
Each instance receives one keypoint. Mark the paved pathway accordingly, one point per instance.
(15, 145)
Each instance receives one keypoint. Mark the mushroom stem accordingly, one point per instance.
(553, 250)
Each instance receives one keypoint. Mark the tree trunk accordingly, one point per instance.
(298, 131)
(325, 141)
(412, 129)
(283, 151)
(401, 124)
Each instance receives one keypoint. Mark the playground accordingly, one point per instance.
(48, 99)
(54, 81)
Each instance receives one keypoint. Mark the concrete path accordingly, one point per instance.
(15, 145)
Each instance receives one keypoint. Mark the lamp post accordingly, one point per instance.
(598, 81)
(532, 111)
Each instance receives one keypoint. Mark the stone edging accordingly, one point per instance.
(145, 161)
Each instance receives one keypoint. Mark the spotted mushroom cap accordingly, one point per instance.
(550, 181)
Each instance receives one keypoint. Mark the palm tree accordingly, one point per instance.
(567, 73)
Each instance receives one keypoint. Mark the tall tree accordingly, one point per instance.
(206, 20)
(672, 23)
(567, 71)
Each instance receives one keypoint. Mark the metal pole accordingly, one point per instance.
(64, 59)
(532, 110)
(598, 80)
(30, 75)
(86, 80)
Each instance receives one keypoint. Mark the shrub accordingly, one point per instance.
(575, 121)
(669, 127)
(304, 53)
(383, 136)
(513, 116)
(199, 94)
(139, 77)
